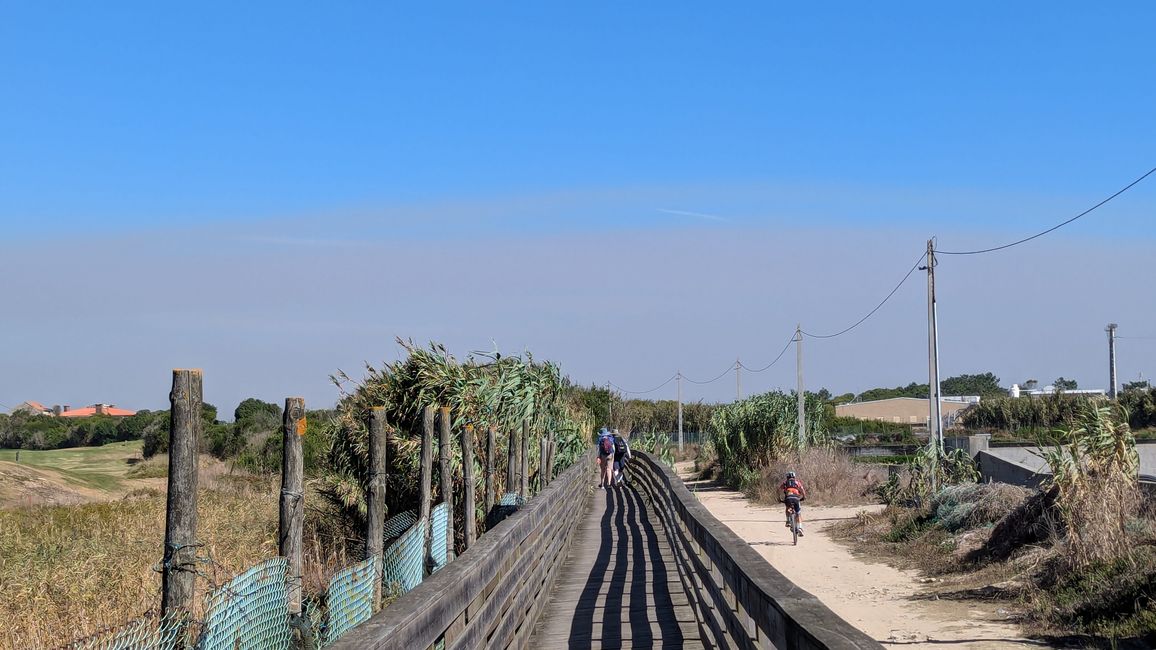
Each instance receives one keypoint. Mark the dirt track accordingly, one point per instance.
(876, 598)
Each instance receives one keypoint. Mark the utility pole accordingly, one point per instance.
(799, 376)
(1111, 330)
(738, 380)
(679, 376)
(609, 407)
(935, 415)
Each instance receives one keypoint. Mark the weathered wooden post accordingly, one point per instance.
(469, 519)
(491, 449)
(180, 558)
(374, 534)
(292, 519)
(542, 444)
(512, 460)
(549, 459)
(445, 470)
(524, 460)
(425, 489)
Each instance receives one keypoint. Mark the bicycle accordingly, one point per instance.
(791, 523)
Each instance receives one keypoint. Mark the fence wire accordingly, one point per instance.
(148, 632)
(438, 546)
(349, 599)
(250, 611)
(403, 561)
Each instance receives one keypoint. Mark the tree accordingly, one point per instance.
(1137, 385)
(1065, 384)
(253, 408)
(910, 390)
(984, 385)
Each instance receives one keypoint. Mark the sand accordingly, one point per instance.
(880, 600)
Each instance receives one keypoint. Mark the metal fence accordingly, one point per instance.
(252, 610)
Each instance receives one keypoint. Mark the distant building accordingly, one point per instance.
(1017, 391)
(95, 409)
(905, 410)
(32, 408)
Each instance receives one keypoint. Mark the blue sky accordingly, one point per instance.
(606, 136)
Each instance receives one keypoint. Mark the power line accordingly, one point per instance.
(872, 312)
(711, 381)
(1055, 227)
(767, 367)
(643, 392)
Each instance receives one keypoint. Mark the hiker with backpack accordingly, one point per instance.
(605, 448)
(621, 455)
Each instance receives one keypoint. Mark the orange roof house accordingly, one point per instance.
(95, 409)
(32, 408)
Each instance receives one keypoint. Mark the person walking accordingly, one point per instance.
(621, 455)
(605, 446)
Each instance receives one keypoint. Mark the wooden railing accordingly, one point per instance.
(740, 600)
(491, 595)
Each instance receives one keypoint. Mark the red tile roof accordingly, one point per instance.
(89, 411)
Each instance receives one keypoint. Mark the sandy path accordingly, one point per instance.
(875, 598)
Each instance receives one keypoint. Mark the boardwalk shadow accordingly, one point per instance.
(637, 589)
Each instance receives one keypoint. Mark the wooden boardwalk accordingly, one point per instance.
(619, 587)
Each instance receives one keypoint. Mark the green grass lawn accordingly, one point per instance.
(101, 468)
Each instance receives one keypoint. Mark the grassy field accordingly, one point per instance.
(98, 468)
(70, 571)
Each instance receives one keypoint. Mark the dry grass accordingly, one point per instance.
(831, 478)
(70, 571)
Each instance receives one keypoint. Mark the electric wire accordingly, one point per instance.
(711, 381)
(1055, 227)
(768, 366)
(643, 392)
(877, 307)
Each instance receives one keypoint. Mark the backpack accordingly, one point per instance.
(619, 445)
(607, 445)
(791, 487)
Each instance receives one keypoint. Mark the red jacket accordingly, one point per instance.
(798, 490)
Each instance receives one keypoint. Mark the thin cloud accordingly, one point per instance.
(700, 215)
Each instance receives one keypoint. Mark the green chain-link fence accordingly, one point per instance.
(252, 610)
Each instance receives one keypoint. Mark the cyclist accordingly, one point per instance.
(793, 495)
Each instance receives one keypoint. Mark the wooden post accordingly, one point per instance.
(512, 461)
(425, 489)
(491, 449)
(524, 460)
(292, 499)
(550, 466)
(542, 443)
(469, 519)
(374, 534)
(180, 558)
(445, 470)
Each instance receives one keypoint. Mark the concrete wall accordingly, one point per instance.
(994, 468)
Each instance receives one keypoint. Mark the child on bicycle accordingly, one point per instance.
(793, 494)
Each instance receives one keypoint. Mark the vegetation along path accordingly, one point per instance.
(882, 601)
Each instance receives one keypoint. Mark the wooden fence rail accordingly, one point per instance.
(740, 600)
(491, 595)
